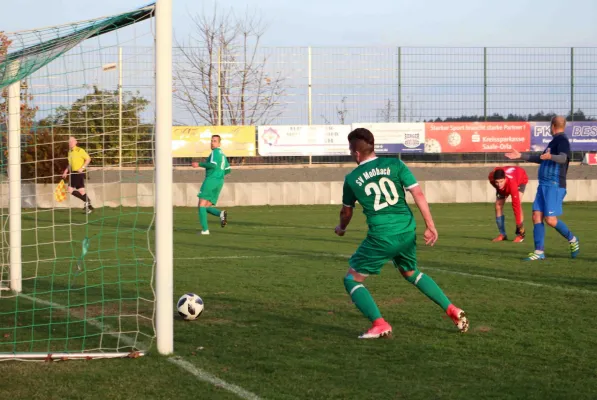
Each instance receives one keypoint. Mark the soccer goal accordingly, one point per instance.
(87, 107)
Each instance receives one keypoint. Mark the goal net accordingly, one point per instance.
(77, 270)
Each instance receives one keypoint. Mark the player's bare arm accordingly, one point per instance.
(513, 155)
(84, 167)
(345, 217)
(430, 234)
(516, 155)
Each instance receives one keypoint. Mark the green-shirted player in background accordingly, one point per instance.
(378, 185)
(216, 168)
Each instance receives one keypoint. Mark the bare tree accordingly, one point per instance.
(341, 113)
(386, 113)
(221, 72)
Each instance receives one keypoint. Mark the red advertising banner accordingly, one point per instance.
(590, 159)
(477, 137)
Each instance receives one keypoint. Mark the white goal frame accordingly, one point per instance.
(164, 302)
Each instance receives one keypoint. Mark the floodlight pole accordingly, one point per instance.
(163, 179)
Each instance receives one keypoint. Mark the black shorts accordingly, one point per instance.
(77, 180)
(521, 189)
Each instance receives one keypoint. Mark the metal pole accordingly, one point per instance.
(485, 83)
(219, 86)
(163, 175)
(310, 101)
(309, 77)
(572, 83)
(14, 183)
(399, 84)
(120, 107)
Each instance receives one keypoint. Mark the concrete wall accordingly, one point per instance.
(277, 193)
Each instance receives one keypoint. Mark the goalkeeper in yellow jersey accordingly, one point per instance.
(78, 160)
(216, 168)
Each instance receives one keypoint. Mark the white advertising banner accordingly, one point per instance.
(303, 140)
(396, 137)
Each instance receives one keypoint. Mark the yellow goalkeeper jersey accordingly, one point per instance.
(76, 158)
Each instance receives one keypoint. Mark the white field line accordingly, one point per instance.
(178, 361)
(528, 283)
(214, 380)
(480, 276)
(334, 255)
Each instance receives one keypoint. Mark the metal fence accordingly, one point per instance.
(332, 85)
(393, 84)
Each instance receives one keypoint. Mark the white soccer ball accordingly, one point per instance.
(190, 306)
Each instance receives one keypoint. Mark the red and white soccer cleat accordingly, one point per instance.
(518, 239)
(379, 329)
(500, 238)
(458, 317)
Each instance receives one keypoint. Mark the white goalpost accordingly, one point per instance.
(98, 283)
(164, 218)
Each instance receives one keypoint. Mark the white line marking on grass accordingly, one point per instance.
(214, 380)
(178, 361)
(193, 258)
(488, 277)
(528, 283)
(231, 257)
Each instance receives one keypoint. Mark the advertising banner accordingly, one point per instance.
(590, 159)
(393, 138)
(582, 135)
(303, 140)
(194, 141)
(476, 137)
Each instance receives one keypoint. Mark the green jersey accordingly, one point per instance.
(378, 185)
(216, 166)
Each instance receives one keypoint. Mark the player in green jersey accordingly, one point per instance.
(216, 168)
(379, 184)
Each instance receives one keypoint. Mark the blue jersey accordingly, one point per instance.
(551, 173)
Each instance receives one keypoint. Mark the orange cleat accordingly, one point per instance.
(500, 238)
(379, 329)
(518, 239)
(458, 317)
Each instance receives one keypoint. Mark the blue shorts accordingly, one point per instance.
(549, 200)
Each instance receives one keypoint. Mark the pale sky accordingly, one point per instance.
(544, 23)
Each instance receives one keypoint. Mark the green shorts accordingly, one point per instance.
(375, 251)
(210, 191)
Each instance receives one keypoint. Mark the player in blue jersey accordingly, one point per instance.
(553, 167)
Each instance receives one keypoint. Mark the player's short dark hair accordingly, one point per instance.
(218, 136)
(361, 140)
(499, 174)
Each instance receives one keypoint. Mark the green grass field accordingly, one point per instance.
(279, 324)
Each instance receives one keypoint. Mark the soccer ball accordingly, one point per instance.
(190, 306)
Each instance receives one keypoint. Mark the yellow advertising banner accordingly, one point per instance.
(194, 141)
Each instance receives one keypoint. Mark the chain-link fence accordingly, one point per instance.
(306, 85)
(328, 85)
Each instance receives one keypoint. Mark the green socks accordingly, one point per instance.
(213, 211)
(364, 301)
(362, 298)
(430, 289)
(203, 218)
